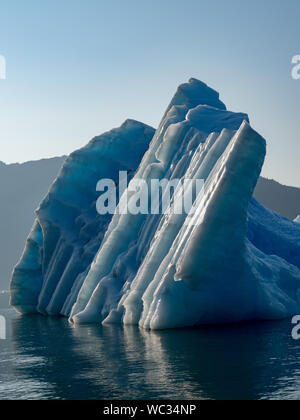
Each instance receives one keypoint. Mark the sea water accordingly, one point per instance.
(47, 358)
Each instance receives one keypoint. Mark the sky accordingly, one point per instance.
(77, 68)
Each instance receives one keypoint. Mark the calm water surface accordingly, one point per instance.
(49, 359)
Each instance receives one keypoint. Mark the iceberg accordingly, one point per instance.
(297, 220)
(230, 260)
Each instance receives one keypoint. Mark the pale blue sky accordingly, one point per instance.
(76, 68)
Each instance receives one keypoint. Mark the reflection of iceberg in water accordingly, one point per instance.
(115, 362)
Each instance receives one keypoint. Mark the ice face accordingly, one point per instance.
(233, 260)
(68, 231)
(297, 220)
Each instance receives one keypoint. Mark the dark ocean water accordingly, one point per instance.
(45, 358)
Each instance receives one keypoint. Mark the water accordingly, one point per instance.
(47, 358)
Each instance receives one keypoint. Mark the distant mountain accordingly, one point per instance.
(280, 198)
(22, 187)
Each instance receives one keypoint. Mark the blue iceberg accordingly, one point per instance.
(231, 260)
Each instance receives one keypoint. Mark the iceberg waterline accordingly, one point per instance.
(239, 261)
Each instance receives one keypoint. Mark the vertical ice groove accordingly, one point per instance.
(224, 225)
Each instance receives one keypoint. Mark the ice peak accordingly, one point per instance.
(194, 93)
(134, 123)
(121, 132)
